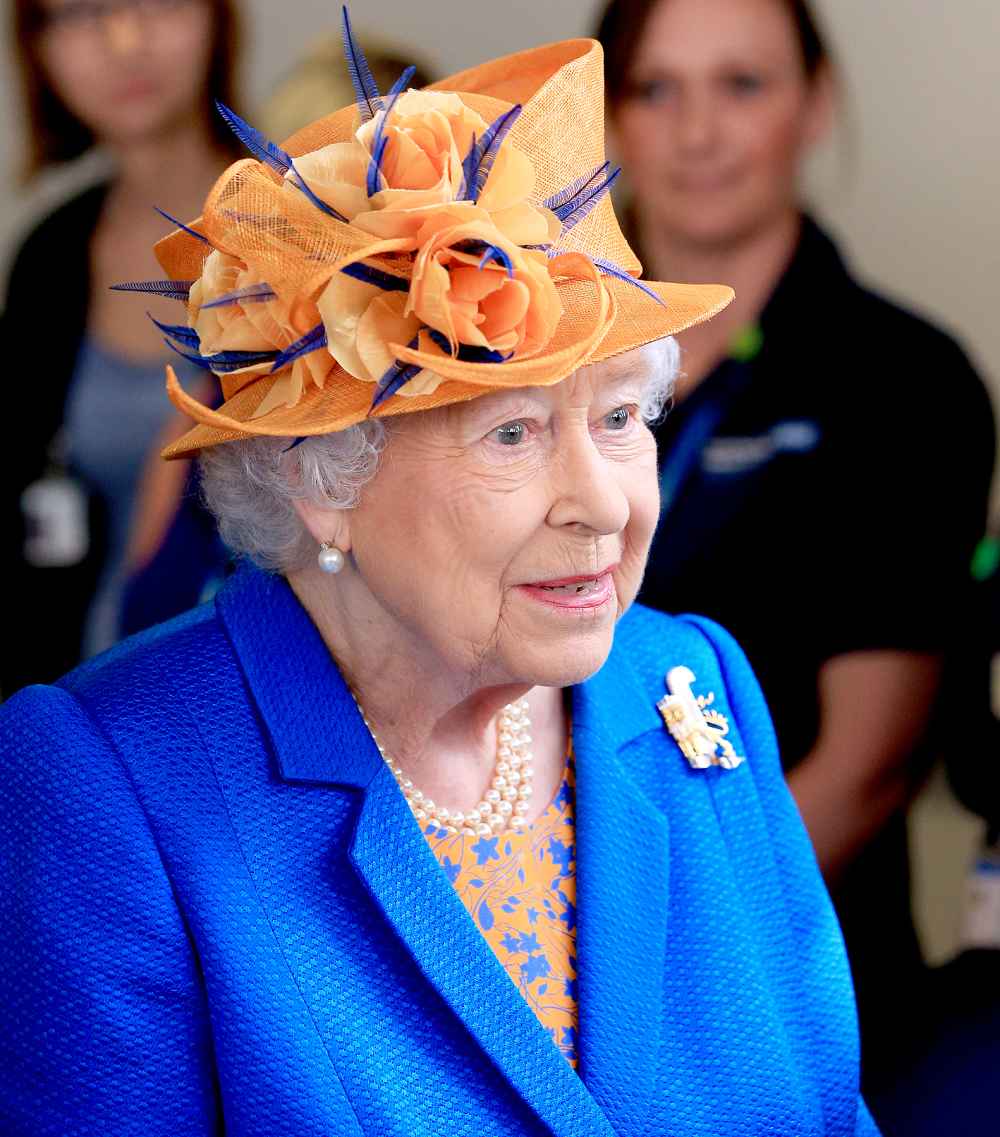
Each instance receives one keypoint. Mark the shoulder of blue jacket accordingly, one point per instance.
(650, 643)
(127, 667)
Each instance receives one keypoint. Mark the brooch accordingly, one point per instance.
(700, 732)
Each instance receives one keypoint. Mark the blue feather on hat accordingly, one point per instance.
(572, 204)
(179, 332)
(611, 269)
(375, 276)
(313, 340)
(225, 361)
(180, 225)
(169, 289)
(397, 375)
(379, 140)
(482, 154)
(272, 156)
(253, 293)
(365, 88)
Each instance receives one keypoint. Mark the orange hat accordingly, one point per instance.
(414, 250)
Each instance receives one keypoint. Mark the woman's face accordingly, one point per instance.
(716, 118)
(128, 70)
(507, 534)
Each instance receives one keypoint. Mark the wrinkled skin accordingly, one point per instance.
(457, 518)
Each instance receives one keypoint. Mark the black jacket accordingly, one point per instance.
(45, 319)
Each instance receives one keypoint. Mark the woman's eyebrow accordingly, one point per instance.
(626, 377)
(478, 412)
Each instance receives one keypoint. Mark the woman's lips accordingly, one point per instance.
(136, 89)
(589, 591)
(703, 183)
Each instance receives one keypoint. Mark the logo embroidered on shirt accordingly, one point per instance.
(699, 731)
(730, 455)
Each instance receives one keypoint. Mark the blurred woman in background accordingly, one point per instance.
(815, 425)
(135, 78)
(175, 559)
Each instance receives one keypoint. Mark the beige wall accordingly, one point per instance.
(919, 211)
(916, 207)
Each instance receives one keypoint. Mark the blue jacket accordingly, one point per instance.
(219, 916)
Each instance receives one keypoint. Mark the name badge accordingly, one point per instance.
(57, 532)
(981, 919)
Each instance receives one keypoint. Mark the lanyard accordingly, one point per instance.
(685, 450)
(684, 454)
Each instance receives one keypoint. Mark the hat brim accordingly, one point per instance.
(344, 400)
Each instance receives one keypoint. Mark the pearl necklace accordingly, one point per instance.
(506, 801)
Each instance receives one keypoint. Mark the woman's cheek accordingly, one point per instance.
(506, 470)
(633, 565)
(182, 59)
(773, 143)
(644, 513)
(74, 77)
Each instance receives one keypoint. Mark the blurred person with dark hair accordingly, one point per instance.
(845, 443)
(135, 78)
(175, 558)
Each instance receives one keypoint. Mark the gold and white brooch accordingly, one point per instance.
(699, 731)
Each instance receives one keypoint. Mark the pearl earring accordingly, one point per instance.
(331, 559)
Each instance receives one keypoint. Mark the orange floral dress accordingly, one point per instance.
(520, 890)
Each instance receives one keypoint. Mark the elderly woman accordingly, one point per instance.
(408, 832)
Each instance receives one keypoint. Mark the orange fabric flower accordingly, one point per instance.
(260, 325)
(429, 134)
(362, 321)
(511, 307)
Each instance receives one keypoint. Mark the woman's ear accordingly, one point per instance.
(327, 526)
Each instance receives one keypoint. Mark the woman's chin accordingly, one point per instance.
(545, 662)
(559, 638)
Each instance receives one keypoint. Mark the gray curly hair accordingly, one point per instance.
(250, 485)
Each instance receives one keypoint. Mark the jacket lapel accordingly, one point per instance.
(320, 739)
(428, 916)
(315, 730)
(622, 895)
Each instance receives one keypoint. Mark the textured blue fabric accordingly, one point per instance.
(219, 916)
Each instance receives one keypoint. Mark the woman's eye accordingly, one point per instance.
(510, 434)
(618, 419)
(745, 83)
(652, 90)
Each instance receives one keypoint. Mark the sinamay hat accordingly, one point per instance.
(413, 250)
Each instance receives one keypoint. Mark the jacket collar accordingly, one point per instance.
(319, 738)
(302, 696)
(316, 730)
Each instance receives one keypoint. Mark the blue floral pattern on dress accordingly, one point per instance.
(520, 890)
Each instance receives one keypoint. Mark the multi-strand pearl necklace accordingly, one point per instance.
(505, 803)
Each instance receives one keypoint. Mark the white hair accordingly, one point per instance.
(250, 484)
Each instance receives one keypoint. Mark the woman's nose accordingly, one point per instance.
(696, 121)
(122, 31)
(590, 495)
